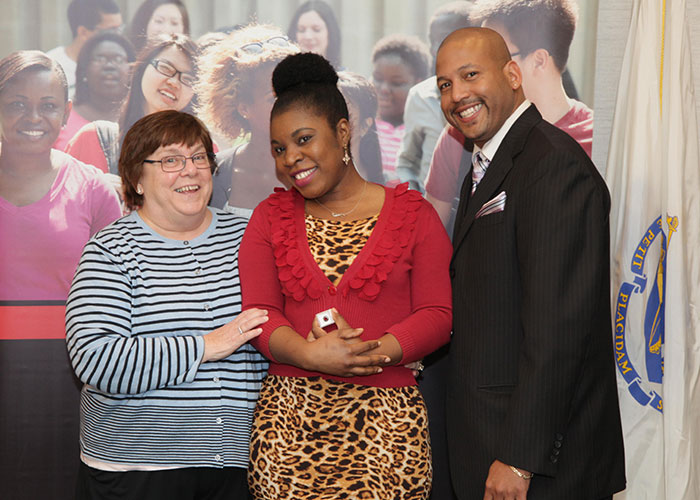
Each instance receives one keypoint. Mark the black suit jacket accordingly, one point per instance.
(531, 375)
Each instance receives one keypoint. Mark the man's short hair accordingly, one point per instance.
(533, 24)
(89, 13)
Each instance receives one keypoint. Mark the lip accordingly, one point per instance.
(32, 135)
(305, 180)
(168, 95)
(191, 189)
(457, 113)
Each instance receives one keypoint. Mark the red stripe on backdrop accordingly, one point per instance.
(32, 322)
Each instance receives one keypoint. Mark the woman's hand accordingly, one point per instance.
(223, 341)
(341, 353)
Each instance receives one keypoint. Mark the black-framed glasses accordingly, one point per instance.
(166, 69)
(258, 47)
(176, 163)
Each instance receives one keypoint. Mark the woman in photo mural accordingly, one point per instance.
(339, 414)
(154, 17)
(235, 96)
(50, 204)
(102, 82)
(315, 28)
(162, 78)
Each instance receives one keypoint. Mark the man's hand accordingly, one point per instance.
(503, 484)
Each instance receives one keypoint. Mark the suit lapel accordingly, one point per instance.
(500, 166)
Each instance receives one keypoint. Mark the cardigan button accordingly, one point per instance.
(332, 290)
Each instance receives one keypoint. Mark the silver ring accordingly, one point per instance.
(240, 331)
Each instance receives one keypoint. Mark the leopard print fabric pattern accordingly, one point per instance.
(328, 440)
(335, 244)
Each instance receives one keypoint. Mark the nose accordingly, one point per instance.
(291, 157)
(190, 168)
(459, 91)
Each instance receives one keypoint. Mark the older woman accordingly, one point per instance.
(236, 98)
(339, 415)
(162, 78)
(154, 330)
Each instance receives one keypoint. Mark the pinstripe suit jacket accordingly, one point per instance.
(531, 376)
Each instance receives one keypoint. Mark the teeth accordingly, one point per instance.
(304, 174)
(169, 95)
(32, 133)
(186, 189)
(470, 111)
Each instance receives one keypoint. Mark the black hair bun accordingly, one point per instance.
(300, 69)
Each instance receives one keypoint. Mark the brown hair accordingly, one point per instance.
(227, 76)
(35, 60)
(150, 133)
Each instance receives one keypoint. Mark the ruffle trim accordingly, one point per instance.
(298, 281)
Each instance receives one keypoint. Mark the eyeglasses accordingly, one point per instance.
(513, 54)
(117, 60)
(258, 47)
(167, 69)
(176, 163)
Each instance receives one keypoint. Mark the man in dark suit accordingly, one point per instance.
(532, 409)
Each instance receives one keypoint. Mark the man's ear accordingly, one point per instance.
(541, 59)
(83, 33)
(513, 74)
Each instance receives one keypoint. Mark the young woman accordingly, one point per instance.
(50, 204)
(102, 76)
(154, 17)
(236, 97)
(339, 415)
(162, 78)
(399, 62)
(315, 29)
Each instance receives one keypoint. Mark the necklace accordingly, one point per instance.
(343, 214)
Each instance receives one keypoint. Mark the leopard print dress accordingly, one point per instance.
(315, 438)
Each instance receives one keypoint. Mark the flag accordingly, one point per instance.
(654, 178)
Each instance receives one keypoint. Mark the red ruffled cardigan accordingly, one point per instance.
(399, 283)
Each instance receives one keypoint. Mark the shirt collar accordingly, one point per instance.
(492, 145)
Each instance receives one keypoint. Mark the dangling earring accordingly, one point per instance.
(139, 190)
(346, 156)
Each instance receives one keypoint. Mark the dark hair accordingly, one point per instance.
(410, 49)
(359, 91)
(30, 60)
(133, 106)
(308, 80)
(89, 13)
(534, 24)
(447, 18)
(326, 13)
(82, 90)
(227, 76)
(147, 135)
(143, 15)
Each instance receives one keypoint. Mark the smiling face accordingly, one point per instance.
(479, 85)
(108, 72)
(308, 153)
(312, 33)
(32, 111)
(167, 18)
(173, 199)
(162, 92)
(392, 78)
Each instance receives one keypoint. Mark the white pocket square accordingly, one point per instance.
(494, 205)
